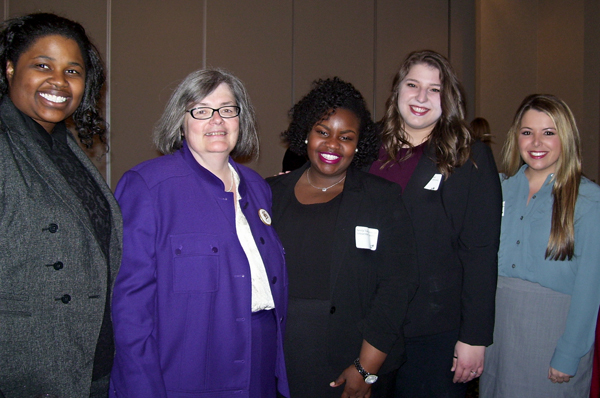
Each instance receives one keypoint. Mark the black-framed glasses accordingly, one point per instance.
(204, 112)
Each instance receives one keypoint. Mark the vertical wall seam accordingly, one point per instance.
(374, 58)
(204, 33)
(450, 30)
(293, 53)
(108, 86)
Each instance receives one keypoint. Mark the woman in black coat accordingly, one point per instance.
(452, 192)
(349, 249)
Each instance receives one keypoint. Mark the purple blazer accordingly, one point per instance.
(182, 299)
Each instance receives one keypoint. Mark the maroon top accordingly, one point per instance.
(397, 171)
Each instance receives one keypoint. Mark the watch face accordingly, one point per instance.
(370, 379)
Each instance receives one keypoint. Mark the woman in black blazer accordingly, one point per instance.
(349, 249)
(452, 192)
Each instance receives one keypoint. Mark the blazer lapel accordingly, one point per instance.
(424, 172)
(343, 238)
(31, 152)
(115, 211)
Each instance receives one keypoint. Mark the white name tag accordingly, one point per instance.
(434, 183)
(366, 238)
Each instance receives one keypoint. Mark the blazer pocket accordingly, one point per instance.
(195, 263)
(14, 305)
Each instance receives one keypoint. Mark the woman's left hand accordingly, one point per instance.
(355, 384)
(468, 362)
(557, 376)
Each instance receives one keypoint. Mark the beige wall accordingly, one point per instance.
(535, 46)
(502, 50)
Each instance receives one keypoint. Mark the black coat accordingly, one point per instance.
(457, 228)
(370, 290)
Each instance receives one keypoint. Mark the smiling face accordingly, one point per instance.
(419, 100)
(332, 143)
(539, 143)
(48, 81)
(214, 136)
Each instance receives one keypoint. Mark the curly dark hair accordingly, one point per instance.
(327, 96)
(19, 34)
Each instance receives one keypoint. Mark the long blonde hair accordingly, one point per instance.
(567, 175)
(451, 136)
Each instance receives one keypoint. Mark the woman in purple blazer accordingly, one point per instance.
(200, 302)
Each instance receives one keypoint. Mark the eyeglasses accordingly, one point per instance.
(204, 112)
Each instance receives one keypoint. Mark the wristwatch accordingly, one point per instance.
(369, 378)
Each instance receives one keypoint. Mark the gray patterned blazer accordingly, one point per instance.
(53, 275)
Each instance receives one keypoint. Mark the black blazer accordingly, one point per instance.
(370, 290)
(457, 228)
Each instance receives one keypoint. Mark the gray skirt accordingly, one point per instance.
(529, 321)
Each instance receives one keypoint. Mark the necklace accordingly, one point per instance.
(326, 188)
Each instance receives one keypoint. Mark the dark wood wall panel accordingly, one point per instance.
(155, 44)
(254, 41)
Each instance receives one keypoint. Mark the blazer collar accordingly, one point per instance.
(208, 177)
(19, 132)
(424, 172)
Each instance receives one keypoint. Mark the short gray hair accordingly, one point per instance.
(195, 87)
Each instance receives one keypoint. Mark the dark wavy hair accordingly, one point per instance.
(325, 97)
(19, 34)
(451, 136)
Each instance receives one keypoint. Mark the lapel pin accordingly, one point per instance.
(264, 216)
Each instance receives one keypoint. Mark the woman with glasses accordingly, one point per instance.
(200, 302)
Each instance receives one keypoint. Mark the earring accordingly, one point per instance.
(306, 141)
(356, 150)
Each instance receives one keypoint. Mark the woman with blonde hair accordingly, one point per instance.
(547, 297)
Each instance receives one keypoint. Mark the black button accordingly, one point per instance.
(262, 240)
(52, 228)
(332, 310)
(513, 266)
(518, 242)
(274, 280)
(245, 205)
(521, 218)
(65, 299)
(215, 249)
(57, 265)
(177, 252)
(533, 197)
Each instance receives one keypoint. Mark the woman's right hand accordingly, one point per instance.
(355, 384)
(556, 376)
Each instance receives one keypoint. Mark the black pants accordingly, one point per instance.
(426, 372)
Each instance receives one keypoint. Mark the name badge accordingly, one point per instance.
(366, 238)
(434, 183)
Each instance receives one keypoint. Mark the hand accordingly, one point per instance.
(557, 376)
(355, 384)
(468, 362)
